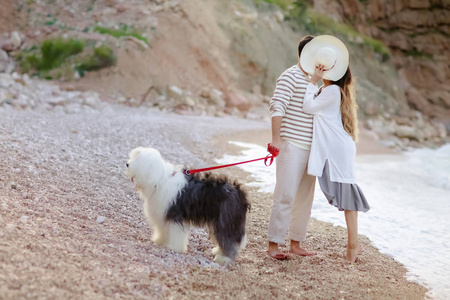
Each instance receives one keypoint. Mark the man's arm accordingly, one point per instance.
(276, 125)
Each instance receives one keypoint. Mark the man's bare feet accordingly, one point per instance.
(276, 253)
(352, 253)
(296, 249)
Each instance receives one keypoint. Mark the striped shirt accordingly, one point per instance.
(287, 101)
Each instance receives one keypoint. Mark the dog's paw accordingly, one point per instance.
(158, 240)
(216, 250)
(223, 260)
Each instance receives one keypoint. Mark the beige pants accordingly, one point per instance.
(293, 195)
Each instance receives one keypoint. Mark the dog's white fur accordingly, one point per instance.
(148, 171)
(159, 183)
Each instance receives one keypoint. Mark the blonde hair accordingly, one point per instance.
(349, 107)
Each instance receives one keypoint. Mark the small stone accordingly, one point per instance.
(16, 40)
(13, 185)
(101, 219)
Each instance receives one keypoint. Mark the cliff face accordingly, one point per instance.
(220, 56)
(418, 35)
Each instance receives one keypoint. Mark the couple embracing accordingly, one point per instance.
(315, 130)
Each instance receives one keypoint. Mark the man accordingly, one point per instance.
(292, 135)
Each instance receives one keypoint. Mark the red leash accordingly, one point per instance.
(268, 160)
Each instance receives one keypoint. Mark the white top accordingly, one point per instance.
(330, 140)
(287, 101)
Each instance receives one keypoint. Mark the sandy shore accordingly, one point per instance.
(71, 225)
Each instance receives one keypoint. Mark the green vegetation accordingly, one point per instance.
(316, 23)
(418, 54)
(60, 58)
(51, 54)
(303, 18)
(102, 57)
(283, 4)
(124, 30)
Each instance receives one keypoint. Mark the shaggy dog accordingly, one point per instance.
(174, 201)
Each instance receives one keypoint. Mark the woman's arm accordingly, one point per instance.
(313, 105)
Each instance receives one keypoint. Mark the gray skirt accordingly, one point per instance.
(344, 196)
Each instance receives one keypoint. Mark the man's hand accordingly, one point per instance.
(273, 150)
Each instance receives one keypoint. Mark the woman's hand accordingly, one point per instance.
(318, 74)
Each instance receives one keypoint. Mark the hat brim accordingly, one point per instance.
(321, 41)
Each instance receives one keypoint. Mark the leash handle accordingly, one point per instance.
(273, 150)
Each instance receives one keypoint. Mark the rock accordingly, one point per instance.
(13, 185)
(72, 108)
(441, 131)
(122, 7)
(5, 44)
(109, 11)
(190, 101)
(408, 132)
(371, 109)
(7, 64)
(216, 98)
(59, 100)
(175, 93)
(239, 101)
(16, 40)
(279, 16)
(101, 219)
(23, 219)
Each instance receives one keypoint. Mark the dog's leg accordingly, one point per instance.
(177, 237)
(226, 255)
(216, 250)
(243, 242)
(227, 248)
(159, 235)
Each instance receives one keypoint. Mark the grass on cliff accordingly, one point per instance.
(60, 58)
(302, 17)
(283, 4)
(123, 30)
(316, 23)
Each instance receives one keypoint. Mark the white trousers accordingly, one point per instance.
(293, 195)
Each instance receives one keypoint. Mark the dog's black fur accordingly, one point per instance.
(216, 203)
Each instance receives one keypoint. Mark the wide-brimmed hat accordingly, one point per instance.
(328, 51)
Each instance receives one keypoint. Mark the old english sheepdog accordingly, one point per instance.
(174, 201)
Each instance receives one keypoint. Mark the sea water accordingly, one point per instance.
(409, 196)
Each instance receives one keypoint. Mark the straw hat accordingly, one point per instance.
(328, 51)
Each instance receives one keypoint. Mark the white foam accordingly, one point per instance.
(410, 207)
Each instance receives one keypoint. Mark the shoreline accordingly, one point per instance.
(317, 228)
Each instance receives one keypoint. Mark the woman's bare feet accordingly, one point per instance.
(296, 249)
(276, 253)
(352, 253)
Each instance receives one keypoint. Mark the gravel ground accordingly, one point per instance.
(72, 227)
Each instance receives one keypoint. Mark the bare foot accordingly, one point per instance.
(276, 253)
(296, 249)
(352, 253)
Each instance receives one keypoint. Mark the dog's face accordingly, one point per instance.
(145, 167)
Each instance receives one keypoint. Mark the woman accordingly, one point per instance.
(335, 130)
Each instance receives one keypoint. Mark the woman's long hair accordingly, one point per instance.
(349, 107)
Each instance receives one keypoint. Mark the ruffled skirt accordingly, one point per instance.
(344, 196)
